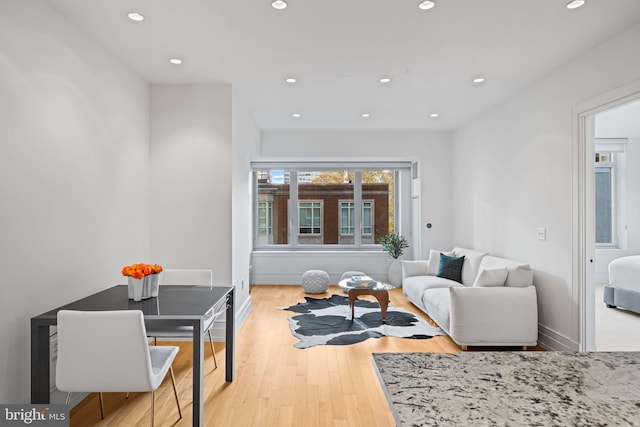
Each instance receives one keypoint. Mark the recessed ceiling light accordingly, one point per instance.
(290, 80)
(426, 4)
(434, 115)
(478, 80)
(175, 61)
(385, 80)
(366, 115)
(296, 115)
(135, 16)
(574, 4)
(279, 4)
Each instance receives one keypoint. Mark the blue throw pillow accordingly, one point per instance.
(451, 267)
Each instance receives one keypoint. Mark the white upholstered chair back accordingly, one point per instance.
(190, 277)
(104, 351)
(107, 351)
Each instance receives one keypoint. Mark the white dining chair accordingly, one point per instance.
(107, 351)
(188, 277)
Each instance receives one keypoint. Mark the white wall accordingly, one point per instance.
(190, 156)
(246, 145)
(512, 173)
(73, 175)
(430, 149)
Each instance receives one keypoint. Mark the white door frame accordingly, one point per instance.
(583, 201)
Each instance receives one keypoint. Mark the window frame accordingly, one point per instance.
(401, 201)
(268, 218)
(320, 218)
(371, 202)
(613, 208)
(615, 150)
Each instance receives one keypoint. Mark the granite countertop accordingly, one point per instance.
(512, 388)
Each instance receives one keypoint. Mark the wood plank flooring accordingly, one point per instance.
(276, 384)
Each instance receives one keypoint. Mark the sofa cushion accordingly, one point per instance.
(437, 303)
(519, 274)
(414, 268)
(451, 267)
(471, 265)
(491, 277)
(520, 277)
(413, 287)
(434, 261)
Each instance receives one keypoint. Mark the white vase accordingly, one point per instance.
(153, 284)
(135, 287)
(394, 274)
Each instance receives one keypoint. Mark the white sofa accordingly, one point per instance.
(495, 305)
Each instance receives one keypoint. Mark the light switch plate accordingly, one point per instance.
(542, 233)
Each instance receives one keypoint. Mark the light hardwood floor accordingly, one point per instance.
(276, 384)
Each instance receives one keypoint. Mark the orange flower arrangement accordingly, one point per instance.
(138, 271)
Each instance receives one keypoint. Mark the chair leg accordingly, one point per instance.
(175, 391)
(213, 351)
(127, 395)
(101, 406)
(68, 398)
(153, 407)
(155, 340)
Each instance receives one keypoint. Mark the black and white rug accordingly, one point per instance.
(328, 321)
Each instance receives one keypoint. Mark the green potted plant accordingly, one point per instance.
(394, 244)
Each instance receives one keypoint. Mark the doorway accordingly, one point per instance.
(593, 121)
(617, 218)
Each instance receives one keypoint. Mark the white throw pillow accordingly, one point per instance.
(490, 278)
(434, 261)
(520, 277)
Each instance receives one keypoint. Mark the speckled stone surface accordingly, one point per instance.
(512, 388)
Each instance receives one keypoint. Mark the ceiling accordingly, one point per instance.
(339, 49)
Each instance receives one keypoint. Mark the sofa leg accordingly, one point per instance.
(611, 306)
(463, 347)
(524, 348)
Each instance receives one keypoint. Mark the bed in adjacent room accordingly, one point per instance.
(623, 289)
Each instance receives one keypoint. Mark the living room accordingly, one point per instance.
(96, 160)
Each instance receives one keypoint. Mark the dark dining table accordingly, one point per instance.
(174, 306)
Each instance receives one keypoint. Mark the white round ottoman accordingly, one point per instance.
(315, 281)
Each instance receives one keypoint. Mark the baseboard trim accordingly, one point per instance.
(555, 341)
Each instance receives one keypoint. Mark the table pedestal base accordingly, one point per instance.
(382, 295)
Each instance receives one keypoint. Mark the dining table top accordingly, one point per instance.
(172, 301)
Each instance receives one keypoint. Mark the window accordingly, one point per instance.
(347, 220)
(265, 221)
(604, 205)
(309, 205)
(310, 218)
(367, 215)
(610, 192)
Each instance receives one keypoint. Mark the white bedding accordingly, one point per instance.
(625, 273)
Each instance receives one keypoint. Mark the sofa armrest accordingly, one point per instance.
(414, 268)
(494, 316)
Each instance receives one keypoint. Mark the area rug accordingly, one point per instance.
(328, 321)
(512, 388)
